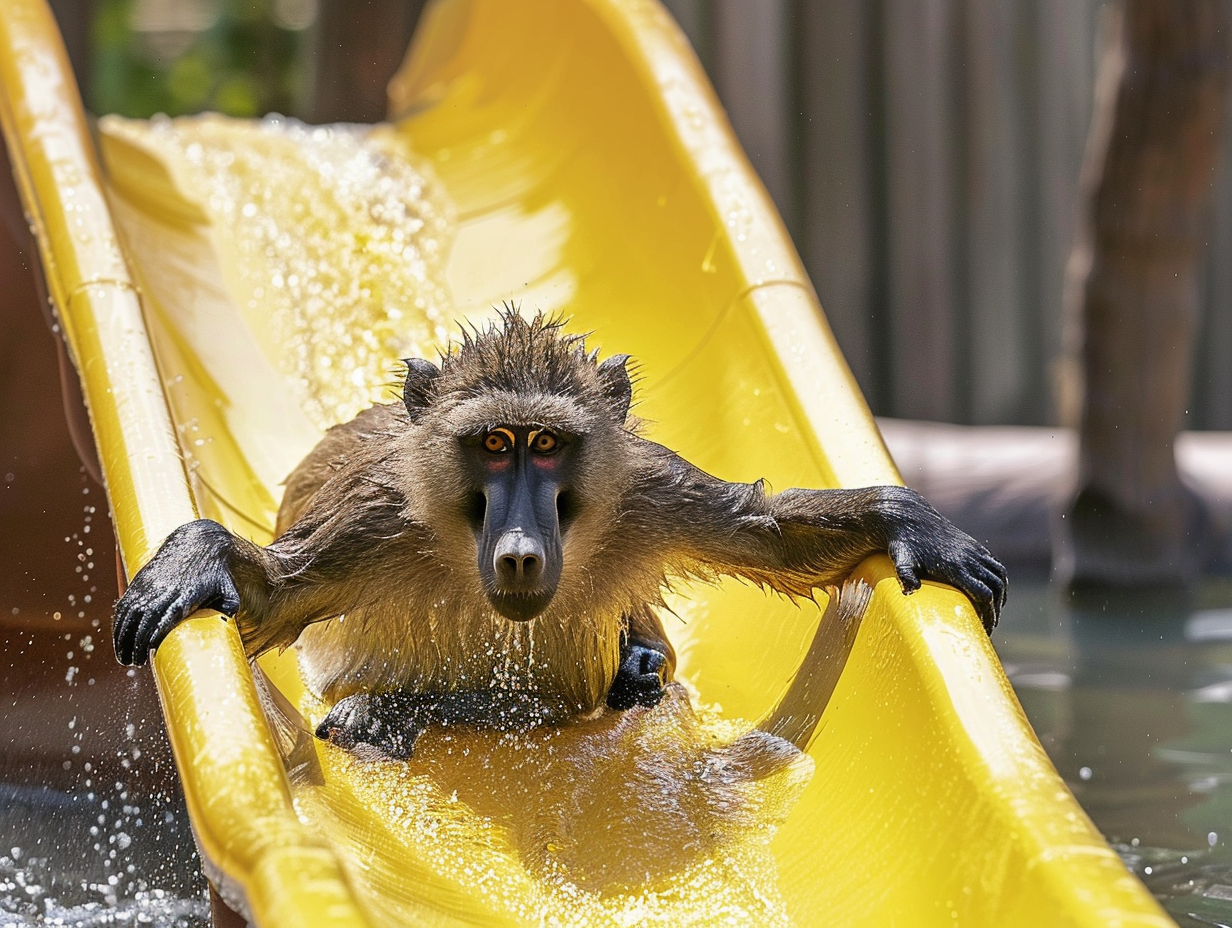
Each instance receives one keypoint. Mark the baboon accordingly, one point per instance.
(493, 548)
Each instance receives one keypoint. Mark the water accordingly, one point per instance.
(1132, 698)
(341, 267)
(78, 859)
(549, 826)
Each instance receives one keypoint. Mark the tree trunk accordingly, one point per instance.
(1148, 183)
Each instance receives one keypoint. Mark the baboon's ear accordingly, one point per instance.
(417, 391)
(617, 386)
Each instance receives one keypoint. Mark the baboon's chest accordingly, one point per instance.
(454, 651)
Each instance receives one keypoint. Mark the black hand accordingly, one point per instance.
(642, 676)
(924, 545)
(188, 573)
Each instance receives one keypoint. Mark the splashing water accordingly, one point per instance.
(108, 843)
(49, 881)
(341, 263)
(92, 827)
(649, 817)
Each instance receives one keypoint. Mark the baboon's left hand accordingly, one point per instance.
(642, 677)
(924, 545)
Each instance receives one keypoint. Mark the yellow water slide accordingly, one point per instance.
(229, 289)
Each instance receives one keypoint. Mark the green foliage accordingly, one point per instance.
(243, 63)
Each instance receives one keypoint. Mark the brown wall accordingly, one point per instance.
(925, 154)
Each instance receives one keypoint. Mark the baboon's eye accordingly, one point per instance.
(544, 442)
(498, 441)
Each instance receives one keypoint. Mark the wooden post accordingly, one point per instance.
(359, 44)
(1149, 184)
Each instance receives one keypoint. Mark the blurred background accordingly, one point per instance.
(924, 155)
(927, 158)
(936, 164)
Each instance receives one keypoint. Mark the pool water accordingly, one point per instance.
(87, 858)
(1132, 698)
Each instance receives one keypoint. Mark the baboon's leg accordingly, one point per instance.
(392, 722)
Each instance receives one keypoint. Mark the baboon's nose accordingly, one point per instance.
(518, 559)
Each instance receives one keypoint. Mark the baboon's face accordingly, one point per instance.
(521, 506)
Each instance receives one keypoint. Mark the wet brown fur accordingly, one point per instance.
(416, 615)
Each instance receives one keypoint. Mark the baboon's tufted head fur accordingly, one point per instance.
(517, 370)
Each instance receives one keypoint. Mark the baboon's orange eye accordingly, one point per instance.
(543, 442)
(498, 441)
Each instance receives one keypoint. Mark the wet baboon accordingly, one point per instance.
(493, 547)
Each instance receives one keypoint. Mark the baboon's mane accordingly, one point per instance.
(517, 355)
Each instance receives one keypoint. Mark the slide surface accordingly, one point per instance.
(230, 289)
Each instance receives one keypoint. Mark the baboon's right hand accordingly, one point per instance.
(189, 572)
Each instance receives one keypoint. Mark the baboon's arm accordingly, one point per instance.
(201, 565)
(347, 521)
(798, 540)
(320, 568)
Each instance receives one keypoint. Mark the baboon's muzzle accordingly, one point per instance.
(520, 544)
